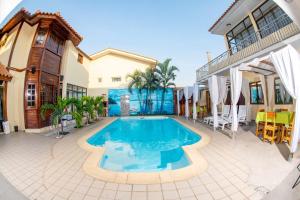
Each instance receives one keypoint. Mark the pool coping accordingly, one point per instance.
(91, 165)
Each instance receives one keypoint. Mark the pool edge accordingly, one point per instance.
(197, 166)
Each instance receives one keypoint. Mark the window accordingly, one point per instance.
(241, 36)
(80, 58)
(31, 95)
(270, 18)
(99, 80)
(116, 79)
(281, 95)
(40, 37)
(48, 93)
(75, 91)
(256, 93)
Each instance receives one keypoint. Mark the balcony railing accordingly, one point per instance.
(274, 32)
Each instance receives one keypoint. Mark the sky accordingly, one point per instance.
(160, 29)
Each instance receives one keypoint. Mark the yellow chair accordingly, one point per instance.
(270, 127)
(260, 129)
(286, 135)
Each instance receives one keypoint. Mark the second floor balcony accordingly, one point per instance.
(276, 31)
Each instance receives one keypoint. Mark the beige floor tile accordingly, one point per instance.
(170, 194)
(125, 187)
(181, 184)
(87, 197)
(237, 196)
(218, 194)
(155, 195)
(139, 195)
(123, 195)
(185, 192)
(168, 186)
(204, 197)
(111, 186)
(139, 188)
(109, 194)
(154, 187)
(201, 189)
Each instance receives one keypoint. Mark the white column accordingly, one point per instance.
(186, 96)
(195, 100)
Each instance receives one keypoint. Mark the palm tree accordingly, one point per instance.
(88, 107)
(77, 113)
(136, 81)
(98, 105)
(166, 75)
(58, 110)
(150, 83)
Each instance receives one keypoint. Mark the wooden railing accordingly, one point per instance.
(273, 33)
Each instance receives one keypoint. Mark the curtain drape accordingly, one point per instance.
(195, 100)
(271, 95)
(186, 96)
(222, 89)
(236, 86)
(246, 93)
(264, 90)
(214, 96)
(287, 62)
(178, 103)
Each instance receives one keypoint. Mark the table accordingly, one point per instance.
(283, 118)
(280, 117)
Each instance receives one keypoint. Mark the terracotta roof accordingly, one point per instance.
(4, 74)
(223, 15)
(34, 18)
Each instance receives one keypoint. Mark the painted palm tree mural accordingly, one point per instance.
(149, 92)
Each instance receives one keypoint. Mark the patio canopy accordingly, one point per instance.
(285, 62)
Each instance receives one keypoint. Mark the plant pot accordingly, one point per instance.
(16, 128)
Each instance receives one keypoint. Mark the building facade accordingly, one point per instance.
(252, 30)
(40, 59)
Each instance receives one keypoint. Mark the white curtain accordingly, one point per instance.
(186, 96)
(264, 89)
(195, 100)
(214, 96)
(246, 93)
(178, 103)
(236, 86)
(282, 92)
(287, 62)
(222, 88)
(270, 86)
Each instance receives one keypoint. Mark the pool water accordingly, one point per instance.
(144, 144)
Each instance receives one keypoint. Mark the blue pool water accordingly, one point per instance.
(144, 144)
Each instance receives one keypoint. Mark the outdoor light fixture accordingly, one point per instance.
(33, 69)
(289, 1)
(229, 24)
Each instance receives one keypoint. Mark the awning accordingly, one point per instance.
(4, 74)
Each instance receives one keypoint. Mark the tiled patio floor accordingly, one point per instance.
(45, 168)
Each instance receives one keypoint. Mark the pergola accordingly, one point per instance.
(284, 62)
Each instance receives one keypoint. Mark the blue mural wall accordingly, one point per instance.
(136, 104)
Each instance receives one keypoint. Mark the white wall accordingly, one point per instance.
(74, 72)
(112, 65)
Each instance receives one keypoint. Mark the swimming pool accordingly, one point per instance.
(148, 144)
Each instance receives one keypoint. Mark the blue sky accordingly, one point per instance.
(176, 29)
